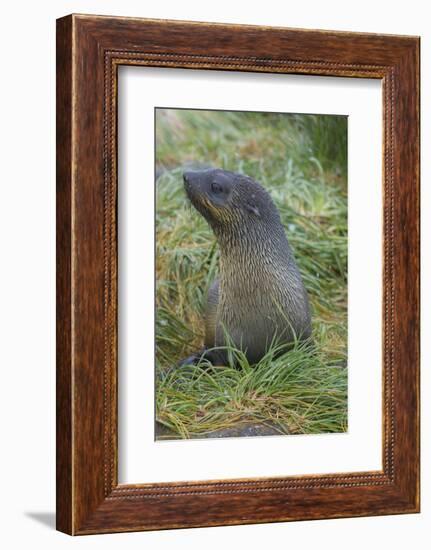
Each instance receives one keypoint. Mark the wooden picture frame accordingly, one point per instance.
(89, 51)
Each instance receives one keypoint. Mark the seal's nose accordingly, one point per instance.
(191, 178)
(188, 183)
(194, 178)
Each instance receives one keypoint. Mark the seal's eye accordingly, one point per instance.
(216, 188)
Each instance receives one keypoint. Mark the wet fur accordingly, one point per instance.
(259, 297)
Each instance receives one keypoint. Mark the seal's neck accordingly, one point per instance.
(259, 244)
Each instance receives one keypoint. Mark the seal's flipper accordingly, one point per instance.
(191, 359)
(216, 357)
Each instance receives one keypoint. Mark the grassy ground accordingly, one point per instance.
(301, 160)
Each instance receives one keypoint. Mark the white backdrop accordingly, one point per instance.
(27, 277)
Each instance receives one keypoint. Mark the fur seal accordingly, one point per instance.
(259, 297)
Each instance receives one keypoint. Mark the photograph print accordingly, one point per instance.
(251, 274)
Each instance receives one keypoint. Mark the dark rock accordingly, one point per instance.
(241, 430)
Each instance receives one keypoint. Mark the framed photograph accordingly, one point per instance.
(237, 274)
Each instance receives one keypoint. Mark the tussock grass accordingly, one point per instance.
(301, 160)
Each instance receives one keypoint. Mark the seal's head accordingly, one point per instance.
(226, 199)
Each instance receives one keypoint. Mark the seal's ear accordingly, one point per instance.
(253, 209)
